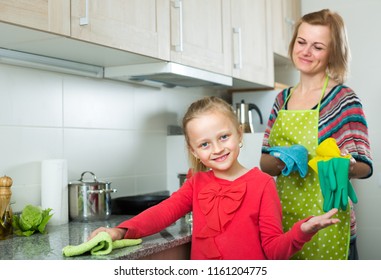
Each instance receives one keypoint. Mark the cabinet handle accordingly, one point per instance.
(85, 20)
(179, 5)
(237, 58)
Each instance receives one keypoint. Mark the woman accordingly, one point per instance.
(320, 106)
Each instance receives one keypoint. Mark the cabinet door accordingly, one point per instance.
(251, 47)
(285, 13)
(51, 15)
(138, 26)
(200, 34)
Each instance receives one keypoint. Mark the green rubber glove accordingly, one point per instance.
(351, 193)
(341, 167)
(347, 190)
(335, 184)
(326, 185)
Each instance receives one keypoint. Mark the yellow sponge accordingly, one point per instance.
(325, 151)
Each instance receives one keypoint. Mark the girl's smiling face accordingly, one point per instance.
(311, 48)
(215, 141)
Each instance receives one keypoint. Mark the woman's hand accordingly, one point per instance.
(352, 162)
(271, 165)
(115, 233)
(317, 223)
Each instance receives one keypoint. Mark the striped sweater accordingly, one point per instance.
(341, 117)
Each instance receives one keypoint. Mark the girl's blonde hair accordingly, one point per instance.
(206, 105)
(339, 52)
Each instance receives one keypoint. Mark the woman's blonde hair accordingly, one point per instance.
(339, 52)
(206, 105)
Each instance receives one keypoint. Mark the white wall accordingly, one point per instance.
(114, 129)
(363, 24)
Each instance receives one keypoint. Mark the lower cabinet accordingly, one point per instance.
(181, 252)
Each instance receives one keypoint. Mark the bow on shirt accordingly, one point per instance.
(219, 205)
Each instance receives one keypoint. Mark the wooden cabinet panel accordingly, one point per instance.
(51, 15)
(200, 34)
(285, 13)
(251, 48)
(138, 26)
(181, 252)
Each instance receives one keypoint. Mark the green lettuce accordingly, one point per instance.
(32, 219)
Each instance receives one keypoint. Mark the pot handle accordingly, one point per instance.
(101, 191)
(94, 177)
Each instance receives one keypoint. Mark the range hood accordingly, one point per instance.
(167, 74)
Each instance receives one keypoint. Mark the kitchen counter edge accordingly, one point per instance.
(49, 246)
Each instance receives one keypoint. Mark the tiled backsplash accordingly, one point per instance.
(114, 129)
(177, 160)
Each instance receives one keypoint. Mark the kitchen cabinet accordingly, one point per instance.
(230, 38)
(50, 15)
(181, 252)
(137, 26)
(284, 14)
(192, 33)
(226, 37)
(200, 34)
(251, 42)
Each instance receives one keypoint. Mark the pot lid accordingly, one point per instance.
(90, 181)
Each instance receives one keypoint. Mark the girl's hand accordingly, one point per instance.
(115, 233)
(317, 223)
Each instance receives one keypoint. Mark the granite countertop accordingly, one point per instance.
(49, 246)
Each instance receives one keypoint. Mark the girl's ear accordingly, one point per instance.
(240, 132)
(192, 151)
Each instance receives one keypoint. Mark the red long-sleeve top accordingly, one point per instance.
(240, 219)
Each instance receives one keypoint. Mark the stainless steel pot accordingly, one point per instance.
(89, 200)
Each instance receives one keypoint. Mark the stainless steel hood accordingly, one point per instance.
(167, 74)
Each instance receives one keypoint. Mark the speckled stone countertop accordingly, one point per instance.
(49, 246)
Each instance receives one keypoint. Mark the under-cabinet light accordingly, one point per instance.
(49, 63)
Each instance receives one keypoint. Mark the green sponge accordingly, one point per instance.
(101, 244)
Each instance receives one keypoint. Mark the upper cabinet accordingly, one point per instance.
(50, 15)
(251, 42)
(200, 34)
(285, 13)
(229, 38)
(138, 26)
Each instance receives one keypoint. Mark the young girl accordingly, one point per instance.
(236, 211)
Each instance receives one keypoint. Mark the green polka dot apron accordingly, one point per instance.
(301, 197)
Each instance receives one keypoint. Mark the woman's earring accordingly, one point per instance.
(240, 145)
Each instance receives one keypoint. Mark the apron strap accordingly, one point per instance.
(323, 91)
(321, 97)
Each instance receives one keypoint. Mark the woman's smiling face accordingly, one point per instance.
(311, 48)
(214, 140)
